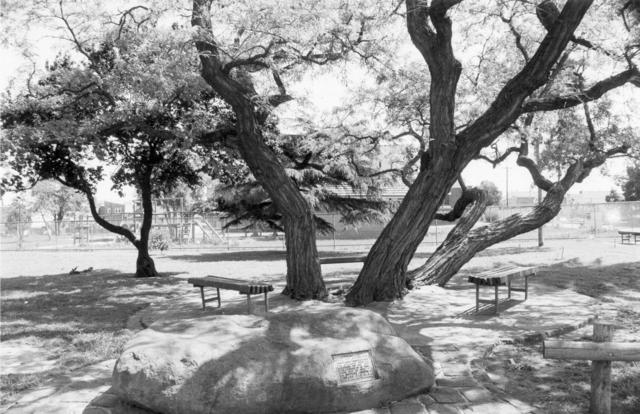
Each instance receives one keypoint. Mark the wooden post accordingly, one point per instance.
(496, 300)
(249, 307)
(477, 298)
(601, 351)
(601, 373)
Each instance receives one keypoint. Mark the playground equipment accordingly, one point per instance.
(208, 231)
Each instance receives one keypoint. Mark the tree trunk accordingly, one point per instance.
(304, 278)
(302, 259)
(383, 276)
(461, 245)
(144, 264)
(145, 267)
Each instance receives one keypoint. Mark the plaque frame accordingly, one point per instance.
(337, 362)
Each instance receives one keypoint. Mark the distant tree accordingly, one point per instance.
(494, 195)
(613, 196)
(326, 171)
(18, 218)
(631, 186)
(132, 101)
(57, 200)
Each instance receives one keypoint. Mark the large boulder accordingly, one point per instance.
(311, 361)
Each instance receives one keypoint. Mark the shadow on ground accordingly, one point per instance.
(63, 304)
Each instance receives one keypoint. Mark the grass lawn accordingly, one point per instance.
(559, 386)
(61, 322)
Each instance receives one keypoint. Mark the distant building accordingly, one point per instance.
(108, 208)
(525, 201)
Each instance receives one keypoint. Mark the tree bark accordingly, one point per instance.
(145, 267)
(304, 278)
(444, 261)
(383, 274)
(462, 243)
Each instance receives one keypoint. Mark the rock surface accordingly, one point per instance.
(274, 363)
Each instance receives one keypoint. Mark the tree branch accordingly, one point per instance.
(524, 161)
(500, 158)
(506, 108)
(594, 92)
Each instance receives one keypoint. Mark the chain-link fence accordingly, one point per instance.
(187, 230)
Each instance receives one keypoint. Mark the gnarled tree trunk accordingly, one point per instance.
(462, 243)
(445, 260)
(383, 274)
(304, 278)
(145, 267)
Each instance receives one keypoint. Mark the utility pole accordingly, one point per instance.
(507, 196)
(537, 150)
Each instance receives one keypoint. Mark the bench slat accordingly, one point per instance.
(501, 276)
(242, 286)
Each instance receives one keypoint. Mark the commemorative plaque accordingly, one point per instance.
(354, 367)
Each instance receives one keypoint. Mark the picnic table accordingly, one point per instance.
(625, 236)
(243, 286)
(502, 276)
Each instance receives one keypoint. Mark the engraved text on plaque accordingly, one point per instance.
(354, 367)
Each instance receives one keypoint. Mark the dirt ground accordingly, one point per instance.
(53, 322)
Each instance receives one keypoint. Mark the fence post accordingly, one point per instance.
(333, 219)
(601, 372)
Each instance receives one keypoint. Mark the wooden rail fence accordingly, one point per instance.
(602, 351)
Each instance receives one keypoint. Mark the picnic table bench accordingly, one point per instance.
(243, 286)
(342, 259)
(625, 236)
(502, 276)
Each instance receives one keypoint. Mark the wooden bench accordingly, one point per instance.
(342, 259)
(502, 276)
(243, 286)
(625, 236)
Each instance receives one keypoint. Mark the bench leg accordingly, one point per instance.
(526, 287)
(509, 289)
(249, 303)
(218, 290)
(266, 302)
(477, 298)
(496, 289)
(202, 295)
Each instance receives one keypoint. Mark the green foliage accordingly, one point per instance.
(56, 199)
(566, 137)
(18, 214)
(158, 241)
(134, 105)
(631, 185)
(613, 196)
(494, 195)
